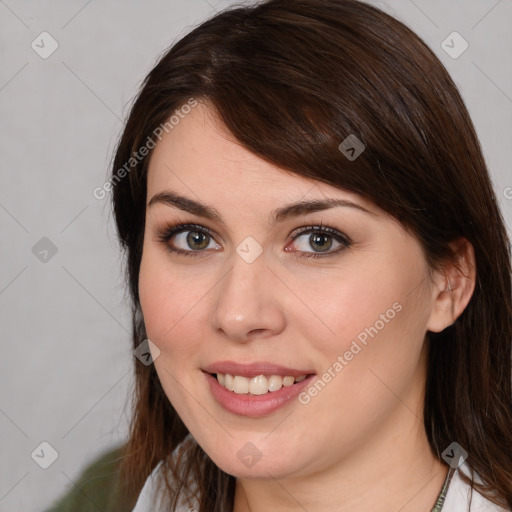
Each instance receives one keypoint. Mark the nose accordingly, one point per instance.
(246, 305)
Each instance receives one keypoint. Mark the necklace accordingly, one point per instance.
(438, 506)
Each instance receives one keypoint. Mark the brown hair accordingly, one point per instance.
(291, 79)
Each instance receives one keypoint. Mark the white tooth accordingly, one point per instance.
(228, 382)
(240, 384)
(275, 383)
(258, 385)
(288, 380)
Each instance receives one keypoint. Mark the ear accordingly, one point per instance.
(453, 288)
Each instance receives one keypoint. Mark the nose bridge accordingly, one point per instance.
(244, 302)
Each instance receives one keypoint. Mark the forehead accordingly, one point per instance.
(201, 152)
(200, 158)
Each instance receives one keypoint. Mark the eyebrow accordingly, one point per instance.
(292, 210)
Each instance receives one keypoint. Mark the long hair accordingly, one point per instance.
(291, 80)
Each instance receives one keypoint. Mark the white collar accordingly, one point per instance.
(459, 495)
(147, 501)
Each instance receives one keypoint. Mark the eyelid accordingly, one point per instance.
(322, 229)
(171, 229)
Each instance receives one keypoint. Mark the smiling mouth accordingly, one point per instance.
(259, 385)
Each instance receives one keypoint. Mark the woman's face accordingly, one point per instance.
(248, 297)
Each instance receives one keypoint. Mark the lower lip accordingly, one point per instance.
(255, 405)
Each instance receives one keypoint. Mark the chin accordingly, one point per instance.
(263, 468)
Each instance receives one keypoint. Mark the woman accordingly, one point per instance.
(319, 271)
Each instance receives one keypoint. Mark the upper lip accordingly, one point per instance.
(254, 369)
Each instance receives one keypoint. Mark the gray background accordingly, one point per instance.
(66, 359)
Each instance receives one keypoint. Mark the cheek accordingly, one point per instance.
(371, 302)
(376, 317)
(169, 306)
(168, 300)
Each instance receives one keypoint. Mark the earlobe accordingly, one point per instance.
(453, 287)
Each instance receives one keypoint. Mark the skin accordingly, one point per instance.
(359, 444)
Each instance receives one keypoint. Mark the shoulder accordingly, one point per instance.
(460, 495)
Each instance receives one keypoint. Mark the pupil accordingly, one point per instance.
(317, 239)
(195, 237)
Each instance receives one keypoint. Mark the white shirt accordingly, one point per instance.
(459, 494)
(457, 497)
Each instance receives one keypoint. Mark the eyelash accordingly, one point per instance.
(169, 230)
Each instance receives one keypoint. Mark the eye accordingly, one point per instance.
(193, 239)
(321, 239)
(187, 239)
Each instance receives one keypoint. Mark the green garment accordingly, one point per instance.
(97, 488)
